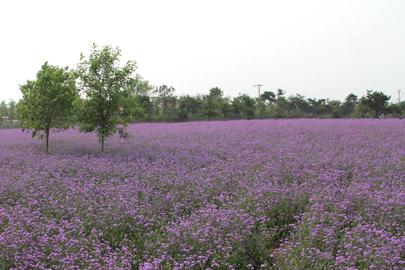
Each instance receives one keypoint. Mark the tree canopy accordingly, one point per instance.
(47, 101)
(106, 85)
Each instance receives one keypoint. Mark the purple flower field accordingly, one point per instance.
(260, 194)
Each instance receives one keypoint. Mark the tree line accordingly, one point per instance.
(103, 95)
(163, 105)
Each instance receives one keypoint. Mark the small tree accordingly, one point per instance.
(106, 86)
(47, 101)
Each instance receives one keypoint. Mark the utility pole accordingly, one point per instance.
(399, 96)
(258, 88)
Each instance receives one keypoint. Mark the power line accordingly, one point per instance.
(258, 88)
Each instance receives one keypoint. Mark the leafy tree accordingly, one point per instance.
(166, 102)
(136, 103)
(132, 108)
(281, 109)
(334, 109)
(3, 113)
(401, 106)
(47, 101)
(268, 96)
(298, 106)
(188, 107)
(362, 109)
(213, 103)
(376, 102)
(317, 107)
(147, 107)
(244, 106)
(280, 93)
(349, 104)
(12, 111)
(397, 109)
(226, 107)
(105, 85)
(3, 110)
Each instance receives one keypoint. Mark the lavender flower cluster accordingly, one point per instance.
(261, 194)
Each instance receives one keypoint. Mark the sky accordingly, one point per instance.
(318, 48)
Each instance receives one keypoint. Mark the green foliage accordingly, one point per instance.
(244, 106)
(106, 87)
(3, 109)
(165, 103)
(375, 102)
(213, 103)
(113, 95)
(8, 114)
(189, 107)
(268, 96)
(47, 101)
(349, 105)
(397, 110)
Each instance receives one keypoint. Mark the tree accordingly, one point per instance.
(188, 107)
(317, 107)
(166, 102)
(376, 102)
(280, 93)
(105, 85)
(281, 108)
(334, 108)
(298, 106)
(11, 114)
(47, 101)
(349, 104)
(244, 106)
(136, 104)
(3, 110)
(268, 96)
(147, 107)
(213, 103)
(397, 109)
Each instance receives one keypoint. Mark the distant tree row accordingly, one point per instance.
(8, 114)
(163, 105)
(102, 95)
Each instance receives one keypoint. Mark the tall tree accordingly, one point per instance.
(281, 109)
(166, 102)
(349, 104)
(105, 85)
(3, 110)
(317, 107)
(188, 107)
(244, 106)
(11, 114)
(298, 106)
(268, 96)
(375, 101)
(47, 101)
(213, 103)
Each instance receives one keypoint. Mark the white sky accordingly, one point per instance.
(319, 48)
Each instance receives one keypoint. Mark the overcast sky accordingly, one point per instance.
(318, 48)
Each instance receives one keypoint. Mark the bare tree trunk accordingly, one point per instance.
(102, 144)
(47, 139)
